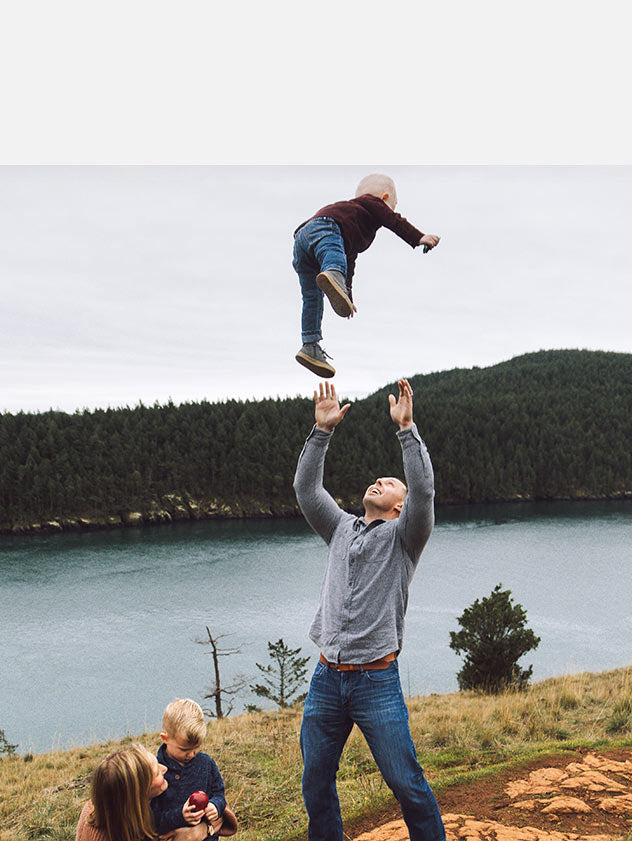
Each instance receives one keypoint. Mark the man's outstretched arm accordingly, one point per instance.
(417, 517)
(318, 507)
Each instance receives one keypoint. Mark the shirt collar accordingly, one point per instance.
(171, 763)
(359, 524)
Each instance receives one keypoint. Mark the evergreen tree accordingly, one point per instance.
(282, 678)
(493, 637)
(5, 747)
(547, 425)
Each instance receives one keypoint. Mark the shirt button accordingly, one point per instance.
(177, 776)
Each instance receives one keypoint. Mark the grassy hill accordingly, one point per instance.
(459, 737)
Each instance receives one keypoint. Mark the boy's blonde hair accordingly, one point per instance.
(375, 185)
(184, 718)
(120, 795)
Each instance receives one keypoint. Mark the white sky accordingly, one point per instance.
(126, 283)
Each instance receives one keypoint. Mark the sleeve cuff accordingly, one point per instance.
(320, 435)
(220, 805)
(407, 434)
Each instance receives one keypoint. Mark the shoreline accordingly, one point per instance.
(175, 508)
(414, 701)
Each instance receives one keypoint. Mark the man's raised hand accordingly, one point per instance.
(327, 410)
(402, 408)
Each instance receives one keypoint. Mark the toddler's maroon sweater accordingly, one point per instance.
(359, 220)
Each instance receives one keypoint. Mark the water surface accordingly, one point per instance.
(97, 630)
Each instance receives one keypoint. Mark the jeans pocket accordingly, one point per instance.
(320, 670)
(383, 675)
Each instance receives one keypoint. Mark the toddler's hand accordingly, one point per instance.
(429, 241)
(211, 813)
(192, 815)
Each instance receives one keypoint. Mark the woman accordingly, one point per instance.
(118, 810)
(122, 786)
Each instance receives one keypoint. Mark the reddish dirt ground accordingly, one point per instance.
(577, 796)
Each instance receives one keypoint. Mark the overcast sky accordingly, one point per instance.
(136, 279)
(122, 284)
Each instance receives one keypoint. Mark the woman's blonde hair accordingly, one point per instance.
(120, 795)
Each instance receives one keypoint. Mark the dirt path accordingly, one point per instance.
(586, 796)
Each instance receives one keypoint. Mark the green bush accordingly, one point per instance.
(493, 637)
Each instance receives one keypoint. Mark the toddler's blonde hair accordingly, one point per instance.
(375, 184)
(184, 718)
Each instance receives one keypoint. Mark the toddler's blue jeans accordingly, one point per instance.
(318, 246)
(373, 700)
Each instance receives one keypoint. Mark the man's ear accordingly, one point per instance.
(398, 508)
(385, 197)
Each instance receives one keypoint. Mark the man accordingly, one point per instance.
(359, 622)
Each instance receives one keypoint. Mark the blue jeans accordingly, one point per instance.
(318, 246)
(374, 701)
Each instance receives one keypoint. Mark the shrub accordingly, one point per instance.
(493, 637)
(621, 717)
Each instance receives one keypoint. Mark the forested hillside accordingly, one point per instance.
(547, 425)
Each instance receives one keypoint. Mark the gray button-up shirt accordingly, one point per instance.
(364, 595)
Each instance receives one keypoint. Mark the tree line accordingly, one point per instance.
(546, 425)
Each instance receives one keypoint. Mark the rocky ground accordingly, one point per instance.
(581, 797)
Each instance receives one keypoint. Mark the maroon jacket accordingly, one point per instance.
(359, 220)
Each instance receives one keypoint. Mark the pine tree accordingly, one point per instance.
(284, 677)
(493, 637)
(5, 747)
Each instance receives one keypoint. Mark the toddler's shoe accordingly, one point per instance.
(312, 356)
(334, 285)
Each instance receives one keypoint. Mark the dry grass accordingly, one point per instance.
(587, 707)
(260, 758)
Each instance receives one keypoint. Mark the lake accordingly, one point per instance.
(98, 629)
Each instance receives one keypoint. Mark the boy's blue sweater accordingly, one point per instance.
(199, 774)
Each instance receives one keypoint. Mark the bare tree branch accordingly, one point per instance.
(223, 697)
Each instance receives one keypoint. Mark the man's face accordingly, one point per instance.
(386, 495)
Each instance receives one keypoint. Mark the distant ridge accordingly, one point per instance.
(554, 424)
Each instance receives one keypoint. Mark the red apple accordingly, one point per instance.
(198, 800)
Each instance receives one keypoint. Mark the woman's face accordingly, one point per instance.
(158, 783)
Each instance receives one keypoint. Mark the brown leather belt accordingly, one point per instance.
(382, 663)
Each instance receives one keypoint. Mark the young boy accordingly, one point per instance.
(188, 770)
(325, 252)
